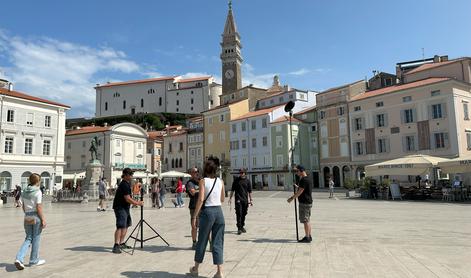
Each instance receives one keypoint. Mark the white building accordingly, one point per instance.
(157, 95)
(32, 138)
(119, 146)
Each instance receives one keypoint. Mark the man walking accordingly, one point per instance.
(121, 204)
(101, 195)
(192, 189)
(243, 197)
(304, 195)
(331, 187)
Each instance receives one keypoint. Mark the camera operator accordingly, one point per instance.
(121, 203)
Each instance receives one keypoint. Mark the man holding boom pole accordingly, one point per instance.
(304, 195)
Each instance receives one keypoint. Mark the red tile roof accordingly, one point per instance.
(135, 82)
(87, 129)
(400, 87)
(286, 119)
(21, 95)
(201, 78)
(431, 66)
(257, 113)
(153, 135)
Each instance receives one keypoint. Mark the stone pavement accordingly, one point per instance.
(352, 238)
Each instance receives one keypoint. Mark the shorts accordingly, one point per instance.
(102, 197)
(304, 212)
(123, 218)
(192, 215)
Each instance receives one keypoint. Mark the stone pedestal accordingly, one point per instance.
(92, 177)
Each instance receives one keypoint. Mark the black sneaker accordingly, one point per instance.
(116, 249)
(239, 232)
(310, 238)
(304, 240)
(124, 246)
(243, 230)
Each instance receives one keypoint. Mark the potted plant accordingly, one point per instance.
(350, 185)
(365, 187)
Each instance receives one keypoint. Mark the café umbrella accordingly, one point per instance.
(460, 164)
(411, 165)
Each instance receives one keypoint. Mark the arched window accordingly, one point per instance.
(46, 180)
(181, 163)
(106, 106)
(124, 104)
(142, 102)
(5, 181)
(160, 101)
(25, 179)
(173, 163)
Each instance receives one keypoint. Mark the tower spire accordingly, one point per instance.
(230, 5)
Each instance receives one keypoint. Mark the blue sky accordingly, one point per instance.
(61, 49)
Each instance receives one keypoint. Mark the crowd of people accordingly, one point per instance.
(206, 194)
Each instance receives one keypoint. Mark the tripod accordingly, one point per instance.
(139, 230)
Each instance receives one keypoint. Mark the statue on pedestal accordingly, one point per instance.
(94, 148)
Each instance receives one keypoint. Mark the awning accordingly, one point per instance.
(174, 174)
(411, 165)
(456, 165)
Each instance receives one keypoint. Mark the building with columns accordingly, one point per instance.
(32, 133)
(120, 146)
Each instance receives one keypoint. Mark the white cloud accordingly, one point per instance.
(258, 80)
(61, 71)
(300, 72)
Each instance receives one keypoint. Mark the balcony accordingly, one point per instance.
(133, 166)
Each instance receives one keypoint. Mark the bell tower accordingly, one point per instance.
(231, 56)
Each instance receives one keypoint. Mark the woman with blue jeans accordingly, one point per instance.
(34, 223)
(211, 218)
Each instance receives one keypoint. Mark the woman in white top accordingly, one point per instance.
(211, 218)
(34, 222)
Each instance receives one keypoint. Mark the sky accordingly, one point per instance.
(60, 50)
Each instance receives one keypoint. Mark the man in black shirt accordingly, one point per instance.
(121, 203)
(243, 197)
(192, 189)
(304, 195)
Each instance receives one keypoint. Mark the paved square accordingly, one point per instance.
(352, 238)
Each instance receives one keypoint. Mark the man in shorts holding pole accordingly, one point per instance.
(304, 195)
(192, 189)
(121, 203)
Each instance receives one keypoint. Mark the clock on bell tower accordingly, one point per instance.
(231, 56)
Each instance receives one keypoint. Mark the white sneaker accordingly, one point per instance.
(19, 265)
(40, 262)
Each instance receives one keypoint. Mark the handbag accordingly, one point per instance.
(204, 202)
(30, 220)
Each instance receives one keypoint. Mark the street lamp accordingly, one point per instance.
(289, 109)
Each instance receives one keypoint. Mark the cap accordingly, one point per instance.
(128, 172)
(300, 168)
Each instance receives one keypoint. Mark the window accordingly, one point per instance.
(322, 114)
(173, 163)
(409, 143)
(380, 120)
(437, 111)
(313, 128)
(254, 142)
(466, 111)
(8, 145)
(264, 123)
(142, 102)
(279, 160)
(435, 93)
(243, 126)
(84, 144)
(280, 99)
(106, 106)
(170, 147)
(221, 118)
(118, 143)
(210, 138)
(395, 130)
(124, 104)
(150, 91)
(468, 140)
(441, 140)
(272, 101)
(279, 141)
(254, 124)
(29, 119)
(408, 115)
(160, 101)
(234, 128)
(382, 147)
(181, 146)
(222, 135)
(340, 111)
(69, 145)
(244, 144)
(139, 146)
(379, 104)
(357, 108)
(82, 161)
(254, 161)
(47, 147)
(210, 121)
(192, 101)
(278, 128)
(358, 124)
(291, 96)
(29, 146)
(178, 102)
(407, 99)
(265, 141)
(47, 121)
(10, 116)
(359, 148)
(68, 159)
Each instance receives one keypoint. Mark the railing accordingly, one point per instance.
(72, 196)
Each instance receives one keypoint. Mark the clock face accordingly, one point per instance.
(229, 74)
